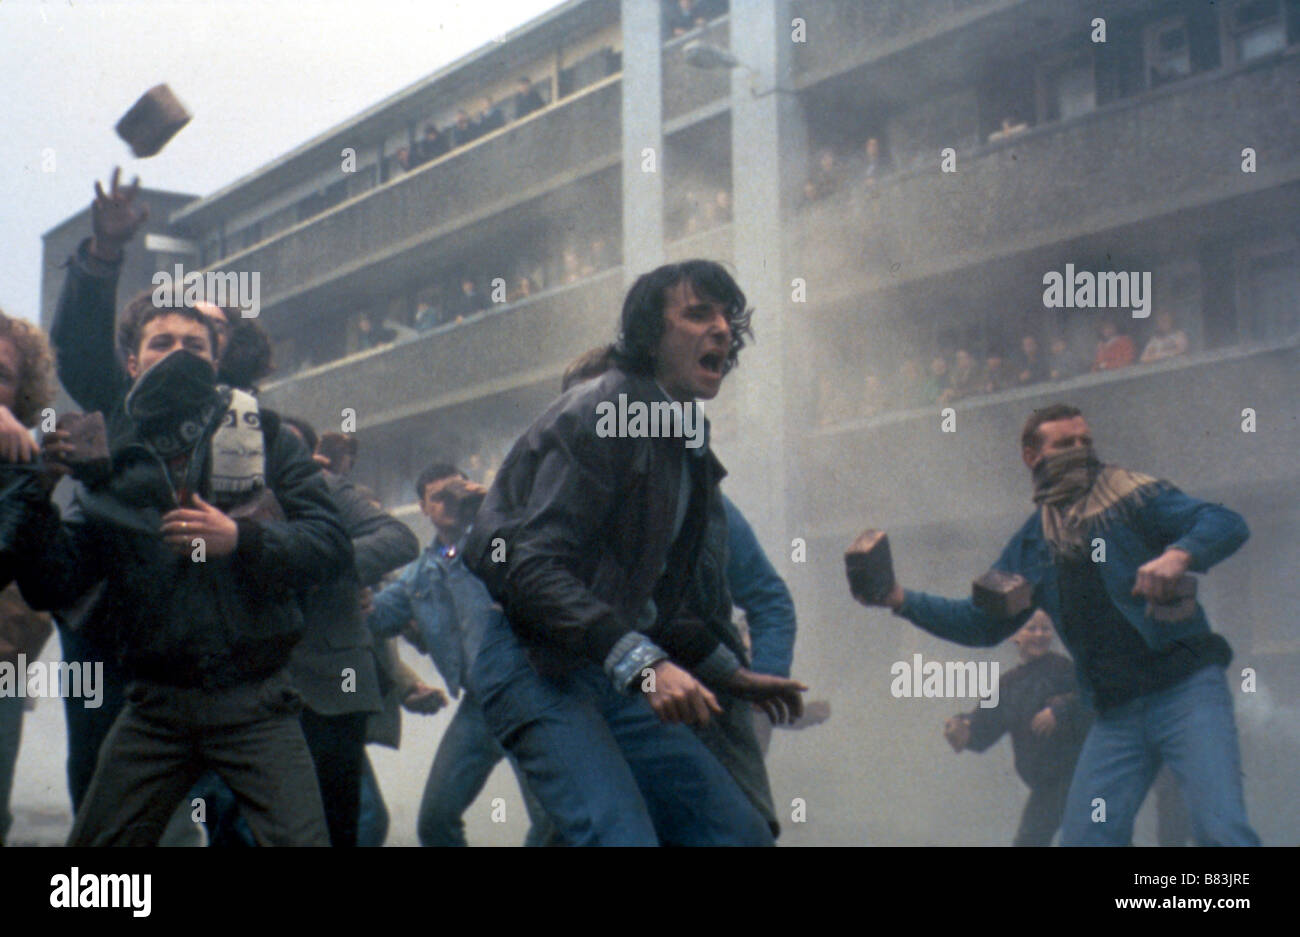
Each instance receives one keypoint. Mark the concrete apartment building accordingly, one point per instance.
(1011, 142)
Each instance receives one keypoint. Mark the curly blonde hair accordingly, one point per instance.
(35, 366)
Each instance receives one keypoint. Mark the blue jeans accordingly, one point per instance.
(465, 758)
(372, 822)
(11, 732)
(606, 770)
(1190, 728)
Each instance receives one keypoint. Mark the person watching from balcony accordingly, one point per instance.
(572, 265)
(826, 177)
(463, 132)
(1031, 366)
(1114, 349)
(1167, 342)
(488, 118)
(402, 157)
(874, 164)
(910, 384)
(999, 374)
(965, 379)
(936, 382)
(433, 144)
(527, 98)
(1063, 361)
(466, 301)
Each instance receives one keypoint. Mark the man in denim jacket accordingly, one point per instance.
(1158, 685)
(450, 608)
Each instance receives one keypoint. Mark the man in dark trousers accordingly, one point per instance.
(606, 547)
(1040, 705)
(334, 667)
(1105, 553)
(211, 522)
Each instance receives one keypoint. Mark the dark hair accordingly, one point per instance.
(303, 428)
(642, 324)
(1030, 438)
(247, 356)
(588, 365)
(435, 473)
(335, 446)
(140, 311)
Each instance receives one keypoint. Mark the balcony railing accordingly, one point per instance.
(903, 469)
(1178, 148)
(492, 351)
(526, 159)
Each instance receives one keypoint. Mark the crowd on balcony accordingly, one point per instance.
(832, 170)
(698, 209)
(465, 129)
(457, 296)
(682, 16)
(944, 377)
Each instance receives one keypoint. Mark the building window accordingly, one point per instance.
(1067, 88)
(1268, 284)
(1255, 29)
(1168, 53)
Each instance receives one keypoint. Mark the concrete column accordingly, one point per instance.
(767, 155)
(643, 144)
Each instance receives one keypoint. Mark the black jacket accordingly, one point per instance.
(170, 619)
(81, 334)
(337, 638)
(586, 523)
(1024, 691)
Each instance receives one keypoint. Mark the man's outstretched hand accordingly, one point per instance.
(891, 599)
(115, 217)
(779, 697)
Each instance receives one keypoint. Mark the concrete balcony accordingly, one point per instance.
(1174, 154)
(842, 33)
(900, 470)
(527, 159)
(686, 88)
(493, 352)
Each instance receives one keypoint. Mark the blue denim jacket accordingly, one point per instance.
(757, 588)
(450, 605)
(1164, 518)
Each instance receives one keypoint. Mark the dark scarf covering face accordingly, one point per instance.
(1076, 492)
(173, 402)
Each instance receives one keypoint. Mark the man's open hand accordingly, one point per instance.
(679, 697)
(779, 697)
(182, 526)
(115, 217)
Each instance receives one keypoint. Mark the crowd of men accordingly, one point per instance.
(218, 562)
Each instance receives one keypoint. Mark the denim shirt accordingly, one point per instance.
(1165, 518)
(451, 608)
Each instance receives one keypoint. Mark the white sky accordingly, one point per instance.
(259, 76)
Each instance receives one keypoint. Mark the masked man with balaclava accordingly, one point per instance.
(1153, 670)
(211, 522)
